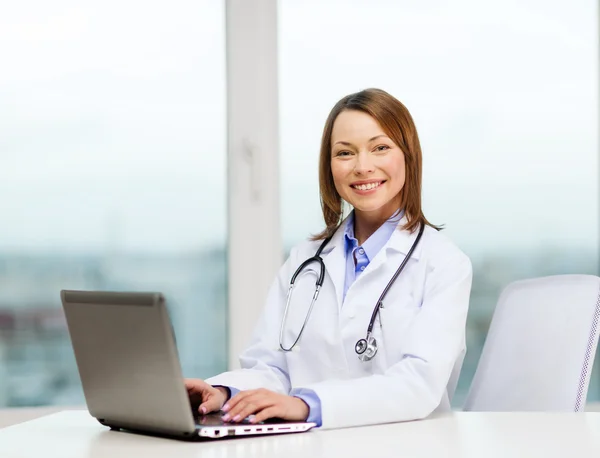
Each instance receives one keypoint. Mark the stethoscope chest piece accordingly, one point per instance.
(366, 349)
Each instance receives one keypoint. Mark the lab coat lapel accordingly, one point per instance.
(400, 242)
(334, 258)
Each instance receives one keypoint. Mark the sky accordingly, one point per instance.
(112, 126)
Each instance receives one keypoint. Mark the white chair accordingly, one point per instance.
(540, 348)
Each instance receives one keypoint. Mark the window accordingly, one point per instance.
(112, 154)
(504, 95)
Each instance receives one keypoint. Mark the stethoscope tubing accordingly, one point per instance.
(363, 344)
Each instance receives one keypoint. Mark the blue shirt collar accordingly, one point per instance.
(376, 241)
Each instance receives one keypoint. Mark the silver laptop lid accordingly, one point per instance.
(127, 360)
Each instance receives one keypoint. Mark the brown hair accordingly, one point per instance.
(397, 123)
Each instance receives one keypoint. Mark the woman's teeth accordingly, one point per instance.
(366, 187)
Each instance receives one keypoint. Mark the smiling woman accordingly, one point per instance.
(370, 153)
(496, 117)
(404, 369)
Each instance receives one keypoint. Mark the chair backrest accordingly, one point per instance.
(540, 348)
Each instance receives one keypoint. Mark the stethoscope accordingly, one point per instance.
(365, 348)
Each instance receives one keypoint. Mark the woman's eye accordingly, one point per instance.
(382, 148)
(343, 153)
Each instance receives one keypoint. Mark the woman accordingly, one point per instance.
(371, 158)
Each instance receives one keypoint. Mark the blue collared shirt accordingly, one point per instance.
(357, 260)
(359, 257)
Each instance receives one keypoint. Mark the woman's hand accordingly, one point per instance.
(211, 399)
(264, 404)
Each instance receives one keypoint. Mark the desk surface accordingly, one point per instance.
(465, 434)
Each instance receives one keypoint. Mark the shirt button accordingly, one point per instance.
(361, 251)
(362, 268)
(352, 315)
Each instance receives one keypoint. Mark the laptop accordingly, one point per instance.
(130, 372)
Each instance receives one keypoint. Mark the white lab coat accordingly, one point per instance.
(420, 332)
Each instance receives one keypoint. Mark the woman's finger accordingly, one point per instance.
(247, 406)
(242, 395)
(235, 412)
(269, 412)
(237, 398)
(195, 386)
(210, 405)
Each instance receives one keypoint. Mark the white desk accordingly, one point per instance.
(12, 416)
(75, 434)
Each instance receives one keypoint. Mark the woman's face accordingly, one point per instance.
(367, 166)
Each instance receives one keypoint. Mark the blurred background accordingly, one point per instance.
(113, 155)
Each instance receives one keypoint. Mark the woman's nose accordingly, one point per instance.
(364, 164)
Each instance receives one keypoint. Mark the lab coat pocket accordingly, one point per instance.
(394, 322)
